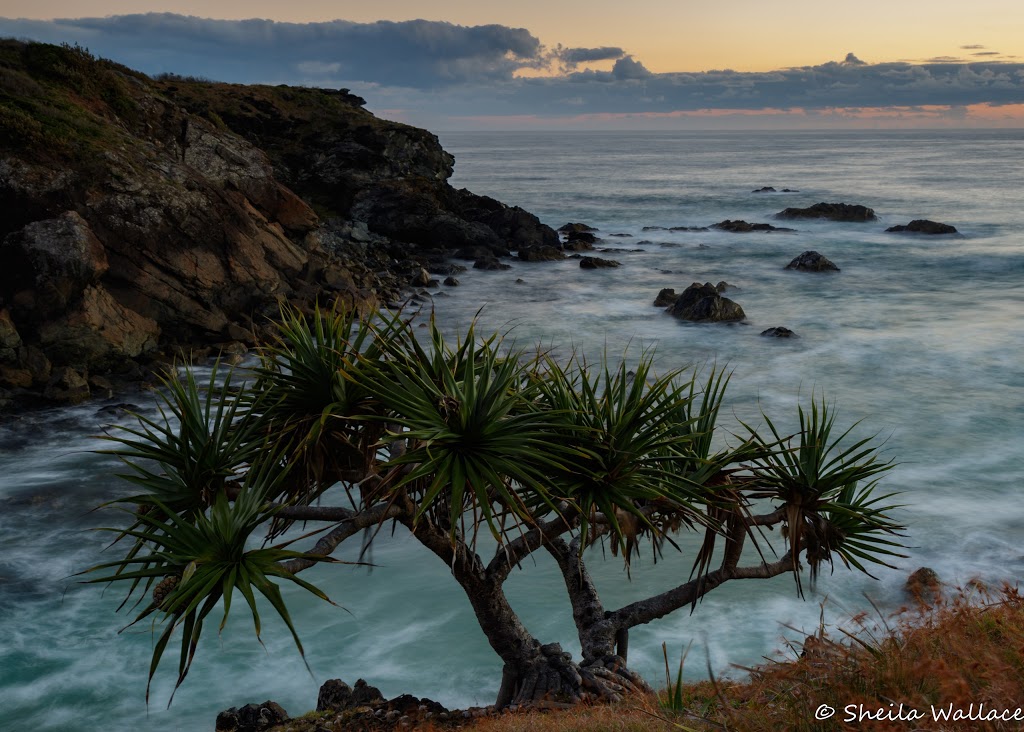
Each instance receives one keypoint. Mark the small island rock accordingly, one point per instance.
(597, 263)
(924, 226)
(703, 304)
(779, 332)
(574, 228)
(811, 261)
(830, 211)
(665, 297)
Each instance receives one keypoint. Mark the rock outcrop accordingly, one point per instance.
(924, 226)
(811, 261)
(148, 216)
(742, 227)
(778, 332)
(702, 303)
(831, 211)
(597, 263)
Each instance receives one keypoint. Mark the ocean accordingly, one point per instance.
(918, 340)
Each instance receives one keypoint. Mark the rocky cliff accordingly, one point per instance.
(142, 216)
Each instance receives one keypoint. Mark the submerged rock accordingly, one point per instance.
(924, 226)
(540, 254)
(665, 297)
(830, 211)
(779, 332)
(490, 264)
(742, 227)
(811, 261)
(581, 236)
(597, 263)
(704, 304)
(571, 228)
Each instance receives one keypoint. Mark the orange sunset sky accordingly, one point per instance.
(645, 61)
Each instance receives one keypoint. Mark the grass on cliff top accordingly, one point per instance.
(60, 103)
(969, 649)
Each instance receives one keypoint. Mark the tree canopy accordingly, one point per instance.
(454, 439)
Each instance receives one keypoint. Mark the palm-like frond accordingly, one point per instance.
(476, 448)
(634, 436)
(814, 476)
(207, 552)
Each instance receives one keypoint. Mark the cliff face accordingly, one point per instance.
(141, 215)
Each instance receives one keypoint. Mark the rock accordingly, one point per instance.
(779, 332)
(540, 254)
(337, 696)
(571, 228)
(924, 586)
(451, 282)
(703, 304)
(811, 261)
(597, 263)
(10, 341)
(831, 211)
(251, 718)
(67, 386)
(37, 364)
(688, 228)
(580, 236)
(490, 264)
(14, 378)
(665, 297)
(722, 286)
(100, 387)
(924, 226)
(742, 227)
(764, 189)
(420, 279)
(577, 245)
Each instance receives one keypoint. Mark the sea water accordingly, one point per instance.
(917, 338)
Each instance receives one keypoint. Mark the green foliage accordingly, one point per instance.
(207, 551)
(466, 436)
(815, 478)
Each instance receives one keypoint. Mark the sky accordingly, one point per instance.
(584, 64)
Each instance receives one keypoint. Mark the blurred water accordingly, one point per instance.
(920, 337)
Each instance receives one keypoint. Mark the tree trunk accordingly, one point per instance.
(552, 678)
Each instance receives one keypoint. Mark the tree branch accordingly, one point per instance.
(350, 526)
(514, 552)
(644, 611)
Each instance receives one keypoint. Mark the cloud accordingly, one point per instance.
(431, 71)
(987, 53)
(572, 57)
(416, 53)
(972, 47)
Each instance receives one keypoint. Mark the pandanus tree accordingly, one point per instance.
(486, 455)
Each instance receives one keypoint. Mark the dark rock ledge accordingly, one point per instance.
(174, 217)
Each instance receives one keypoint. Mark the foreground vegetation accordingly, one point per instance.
(965, 651)
(455, 441)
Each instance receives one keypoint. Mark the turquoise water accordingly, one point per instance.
(919, 337)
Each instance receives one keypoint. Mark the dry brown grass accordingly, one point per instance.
(962, 651)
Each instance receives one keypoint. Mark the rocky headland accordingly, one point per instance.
(146, 218)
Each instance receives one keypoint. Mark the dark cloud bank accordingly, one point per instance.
(454, 70)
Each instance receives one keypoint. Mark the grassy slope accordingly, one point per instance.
(967, 650)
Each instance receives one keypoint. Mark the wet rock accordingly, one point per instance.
(10, 341)
(742, 227)
(577, 245)
(251, 718)
(924, 226)
(37, 364)
(722, 286)
(581, 236)
(830, 211)
(574, 228)
(336, 695)
(622, 236)
(451, 282)
(100, 387)
(597, 263)
(771, 189)
(420, 279)
(688, 228)
(811, 261)
(924, 585)
(67, 386)
(540, 254)
(779, 332)
(703, 304)
(15, 378)
(490, 264)
(666, 297)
